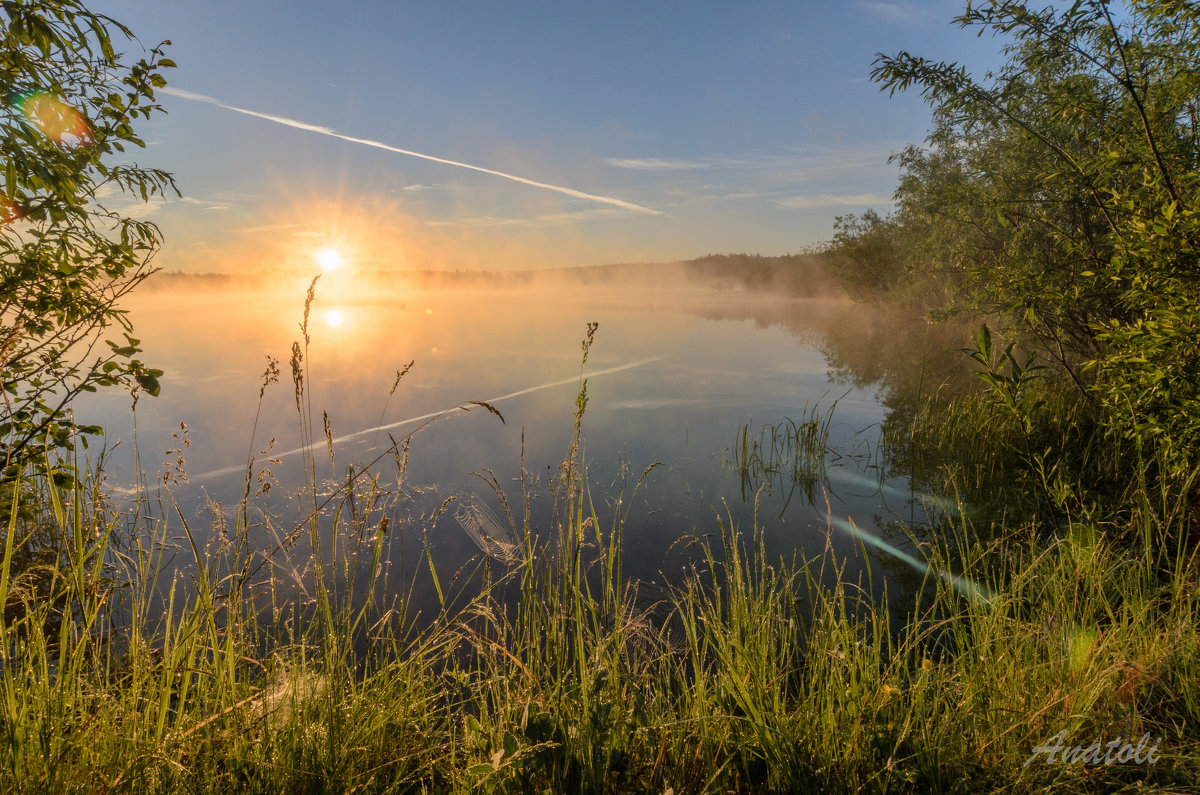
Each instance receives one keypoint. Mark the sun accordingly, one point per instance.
(329, 259)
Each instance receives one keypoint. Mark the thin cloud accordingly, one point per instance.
(142, 209)
(893, 12)
(208, 205)
(740, 196)
(234, 196)
(126, 203)
(549, 219)
(788, 164)
(654, 164)
(299, 125)
(480, 220)
(578, 215)
(834, 200)
(716, 193)
(269, 228)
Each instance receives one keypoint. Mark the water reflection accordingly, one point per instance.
(674, 373)
(334, 318)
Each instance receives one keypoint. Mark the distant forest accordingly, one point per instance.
(799, 275)
(796, 275)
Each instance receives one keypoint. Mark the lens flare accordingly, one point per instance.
(9, 210)
(57, 120)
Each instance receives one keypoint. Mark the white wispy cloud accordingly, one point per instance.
(269, 228)
(578, 215)
(834, 200)
(206, 204)
(129, 204)
(136, 208)
(778, 168)
(654, 163)
(234, 196)
(741, 196)
(299, 125)
(904, 13)
(800, 175)
(548, 219)
(480, 221)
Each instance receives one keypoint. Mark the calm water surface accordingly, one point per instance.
(672, 375)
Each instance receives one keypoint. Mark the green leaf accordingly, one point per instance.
(149, 383)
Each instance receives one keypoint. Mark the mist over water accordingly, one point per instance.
(678, 367)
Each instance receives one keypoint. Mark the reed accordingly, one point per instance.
(788, 455)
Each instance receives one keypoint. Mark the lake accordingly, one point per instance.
(678, 375)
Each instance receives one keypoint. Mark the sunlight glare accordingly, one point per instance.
(329, 259)
(334, 318)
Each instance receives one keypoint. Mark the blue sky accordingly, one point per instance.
(654, 131)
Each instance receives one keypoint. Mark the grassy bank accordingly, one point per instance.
(554, 674)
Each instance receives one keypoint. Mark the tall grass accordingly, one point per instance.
(125, 670)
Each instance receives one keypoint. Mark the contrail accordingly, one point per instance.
(299, 125)
(229, 470)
